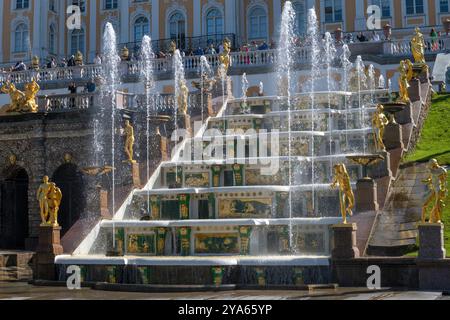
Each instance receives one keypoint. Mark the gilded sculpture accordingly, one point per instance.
(182, 98)
(346, 196)
(129, 141)
(379, 122)
(22, 101)
(418, 47)
(224, 57)
(437, 185)
(403, 81)
(49, 197)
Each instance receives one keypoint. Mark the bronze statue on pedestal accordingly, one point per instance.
(49, 197)
(437, 185)
(379, 122)
(346, 196)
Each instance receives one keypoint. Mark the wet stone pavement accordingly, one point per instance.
(25, 291)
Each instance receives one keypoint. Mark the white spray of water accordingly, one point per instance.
(346, 68)
(146, 69)
(313, 43)
(284, 77)
(111, 78)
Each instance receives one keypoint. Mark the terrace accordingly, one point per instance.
(262, 61)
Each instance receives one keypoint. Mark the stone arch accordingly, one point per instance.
(70, 180)
(14, 220)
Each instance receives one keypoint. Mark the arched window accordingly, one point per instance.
(77, 41)
(51, 39)
(214, 22)
(300, 17)
(257, 24)
(21, 38)
(141, 28)
(177, 29)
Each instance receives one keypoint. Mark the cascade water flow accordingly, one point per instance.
(111, 79)
(146, 68)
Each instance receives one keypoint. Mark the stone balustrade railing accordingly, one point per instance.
(161, 104)
(239, 60)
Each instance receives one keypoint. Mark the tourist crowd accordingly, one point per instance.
(434, 43)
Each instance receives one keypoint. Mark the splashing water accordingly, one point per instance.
(179, 79)
(205, 73)
(330, 56)
(381, 82)
(146, 69)
(313, 43)
(346, 66)
(284, 76)
(371, 82)
(111, 78)
(362, 81)
(245, 86)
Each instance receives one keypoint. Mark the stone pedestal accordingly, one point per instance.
(393, 137)
(48, 248)
(135, 174)
(414, 90)
(344, 242)
(405, 116)
(366, 195)
(431, 241)
(209, 105)
(184, 122)
(77, 72)
(104, 210)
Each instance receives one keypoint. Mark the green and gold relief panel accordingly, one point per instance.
(253, 177)
(196, 180)
(145, 241)
(222, 240)
(253, 208)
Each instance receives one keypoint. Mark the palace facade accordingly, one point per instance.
(32, 27)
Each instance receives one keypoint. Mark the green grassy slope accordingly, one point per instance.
(434, 141)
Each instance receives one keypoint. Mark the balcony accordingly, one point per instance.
(383, 52)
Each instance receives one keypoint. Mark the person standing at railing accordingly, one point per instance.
(434, 40)
(98, 59)
(73, 90)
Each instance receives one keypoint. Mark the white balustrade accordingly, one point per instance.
(259, 58)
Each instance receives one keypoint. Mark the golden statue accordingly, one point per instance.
(54, 202)
(418, 47)
(379, 122)
(22, 101)
(129, 141)
(437, 185)
(172, 47)
(31, 90)
(49, 197)
(182, 98)
(346, 196)
(224, 57)
(403, 81)
(79, 58)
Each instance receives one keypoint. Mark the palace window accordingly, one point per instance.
(444, 6)
(77, 41)
(333, 10)
(21, 38)
(141, 28)
(177, 28)
(257, 24)
(214, 22)
(52, 5)
(51, 39)
(385, 6)
(300, 17)
(81, 4)
(22, 4)
(414, 7)
(110, 4)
